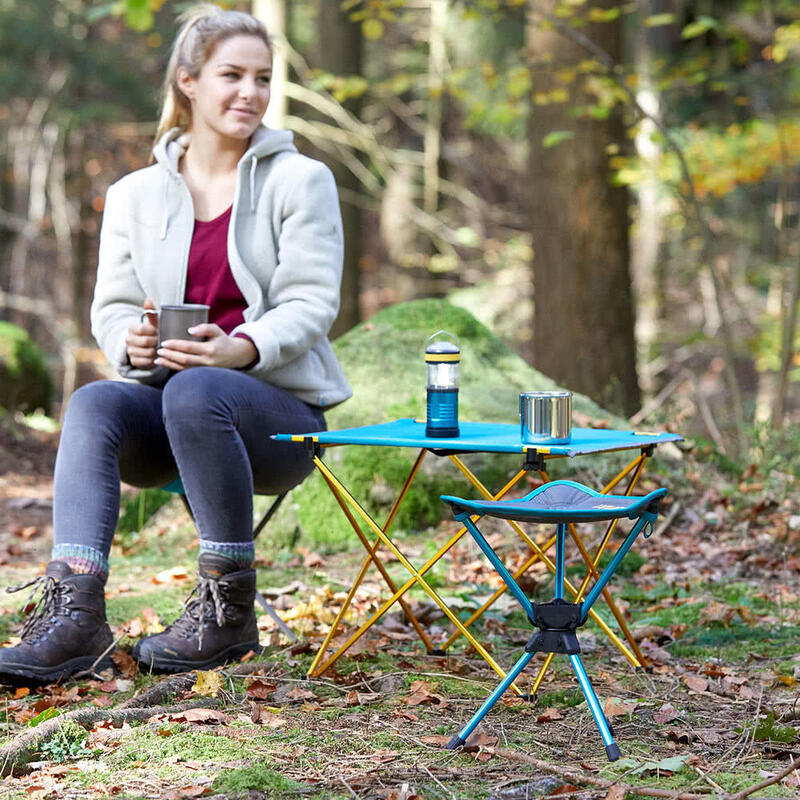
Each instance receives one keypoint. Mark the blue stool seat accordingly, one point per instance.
(560, 501)
(556, 622)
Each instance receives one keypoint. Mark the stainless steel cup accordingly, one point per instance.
(174, 321)
(546, 417)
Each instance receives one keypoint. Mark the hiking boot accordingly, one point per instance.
(218, 623)
(66, 632)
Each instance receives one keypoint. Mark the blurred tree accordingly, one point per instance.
(583, 311)
(339, 52)
(63, 78)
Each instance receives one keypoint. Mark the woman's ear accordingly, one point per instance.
(186, 83)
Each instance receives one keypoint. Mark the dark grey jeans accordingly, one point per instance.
(209, 425)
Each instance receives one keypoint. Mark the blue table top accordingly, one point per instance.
(483, 437)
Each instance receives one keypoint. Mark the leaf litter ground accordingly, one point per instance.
(714, 601)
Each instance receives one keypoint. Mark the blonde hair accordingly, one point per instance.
(203, 27)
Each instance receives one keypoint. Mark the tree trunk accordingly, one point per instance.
(583, 332)
(273, 14)
(340, 52)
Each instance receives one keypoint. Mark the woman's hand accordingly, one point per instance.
(142, 340)
(218, 350)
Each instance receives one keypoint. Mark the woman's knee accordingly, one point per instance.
(95, 402)
(192, 394)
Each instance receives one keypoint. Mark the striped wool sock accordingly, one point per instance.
(243, 553)
(82, 559)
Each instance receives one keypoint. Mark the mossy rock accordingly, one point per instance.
(25, 381)
(384, 362)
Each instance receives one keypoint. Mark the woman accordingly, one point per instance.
(229, 215)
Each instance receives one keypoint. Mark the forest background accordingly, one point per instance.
(611, 187)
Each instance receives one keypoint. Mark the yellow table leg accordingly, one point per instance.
(416, 575)
(371, 556)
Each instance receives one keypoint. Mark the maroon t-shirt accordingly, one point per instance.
(209, 279)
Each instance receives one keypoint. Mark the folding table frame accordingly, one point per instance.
(474, 438)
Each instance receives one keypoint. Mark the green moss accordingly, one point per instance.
(564, 698)
(25, 381)
(384, 362)
(737, 641)
(257, 778)
(189, 744)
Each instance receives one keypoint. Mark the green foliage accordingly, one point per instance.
(768, 729)
(69, 742)
(25, 380)
(102, 78)
(136, 510)
(43, 716)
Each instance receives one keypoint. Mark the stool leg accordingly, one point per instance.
(462, 736)
(612, 750)
(561, 529)
(507, 577)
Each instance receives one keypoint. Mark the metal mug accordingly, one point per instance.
(546, 417)
(175, 320)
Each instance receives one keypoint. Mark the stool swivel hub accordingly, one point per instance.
(557, 621)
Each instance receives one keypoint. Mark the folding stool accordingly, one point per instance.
(561, 502)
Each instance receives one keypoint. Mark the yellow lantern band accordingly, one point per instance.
(440, 358)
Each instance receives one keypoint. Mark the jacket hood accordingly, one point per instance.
(264, 142)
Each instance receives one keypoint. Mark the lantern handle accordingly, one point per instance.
(443, 333)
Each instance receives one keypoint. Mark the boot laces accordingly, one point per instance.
(53, 598)
(205, 602)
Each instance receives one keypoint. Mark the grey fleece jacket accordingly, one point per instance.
(285, 252)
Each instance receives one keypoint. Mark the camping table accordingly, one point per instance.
(474, 437)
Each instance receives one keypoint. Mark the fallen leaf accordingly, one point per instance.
(476, 742)
(695, 683)
(681, 735)
(665, 714)
(615, 792)
(423, 692)
(310, 560)
(436, 741)
(133, 628)
(405, 715)
(208, 683)
(210, 716)
(714, 611)
(174, 575)
(124, 663)
(550, 715)
(299, 693)
(616, 707)
(186, 791)
(260, 690)
(152, 622)
(103, 701)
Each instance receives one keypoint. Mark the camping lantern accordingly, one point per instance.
(442, 357)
